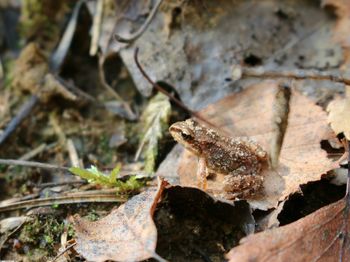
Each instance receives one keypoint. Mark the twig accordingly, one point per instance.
(23, 112)
(31, 164)
(64, 251)
(344, 231)
(55, 184)
(33, 152)
(347, 148)
(142, 29)
(96, 27)
(296, 74)
(171, 97)
(129, 113)
(62, 200)
(73, 154)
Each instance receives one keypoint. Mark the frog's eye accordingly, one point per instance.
(186, 136)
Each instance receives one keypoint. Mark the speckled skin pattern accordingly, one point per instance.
(240, 159)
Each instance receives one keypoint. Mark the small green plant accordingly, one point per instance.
(93, 175)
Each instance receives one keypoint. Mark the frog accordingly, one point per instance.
(240, 159)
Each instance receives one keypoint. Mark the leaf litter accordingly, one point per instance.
(301, 159)
(201, 71)
(320, 236)
(128, 233)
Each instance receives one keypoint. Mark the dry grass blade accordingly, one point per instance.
(61, 200)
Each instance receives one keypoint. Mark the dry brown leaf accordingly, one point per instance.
(126, 234)
(251, 113)
(339, 112)
(175, 47)
(342, 27)
(317, 237)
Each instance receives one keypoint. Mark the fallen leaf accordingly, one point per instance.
(250, 113)
(342, 27)
(320, 236)
(167, 168)
(339, 111)
(191, 46)
(126, 234)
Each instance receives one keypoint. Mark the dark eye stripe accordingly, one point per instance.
(186, 136)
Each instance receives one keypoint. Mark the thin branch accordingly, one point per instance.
(64, 251)
(31, 164)
(142, 29)
(347, 148)
(61, 200)
(296, 74)
(128, 112)
(162, 90)
(23, 112)
(344, 231)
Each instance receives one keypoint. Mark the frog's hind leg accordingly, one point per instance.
(202, 173)
(241, 186)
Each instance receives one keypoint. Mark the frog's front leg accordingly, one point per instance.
(239, 184)
(202, 173)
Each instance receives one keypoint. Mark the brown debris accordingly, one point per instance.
(339, 111)
(317, 237)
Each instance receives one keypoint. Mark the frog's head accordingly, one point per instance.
(186, 133)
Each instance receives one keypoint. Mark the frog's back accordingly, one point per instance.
(226, 155)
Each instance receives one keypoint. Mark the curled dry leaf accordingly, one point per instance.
(317, 237)
(339, 111)
(126, 234)
(251, 113)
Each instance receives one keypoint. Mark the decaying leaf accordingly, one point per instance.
(176, 47)
(342, 28)
(320, 236)
(126, 234)
(154, 121)
(339, 112)
(251, 113)
(32, 74)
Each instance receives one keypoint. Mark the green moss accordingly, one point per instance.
(93, 216)
(9, 65)
(71, 231)
(3, 168)
(40, 20)
(42, 234)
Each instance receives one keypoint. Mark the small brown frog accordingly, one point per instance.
(240, 159)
